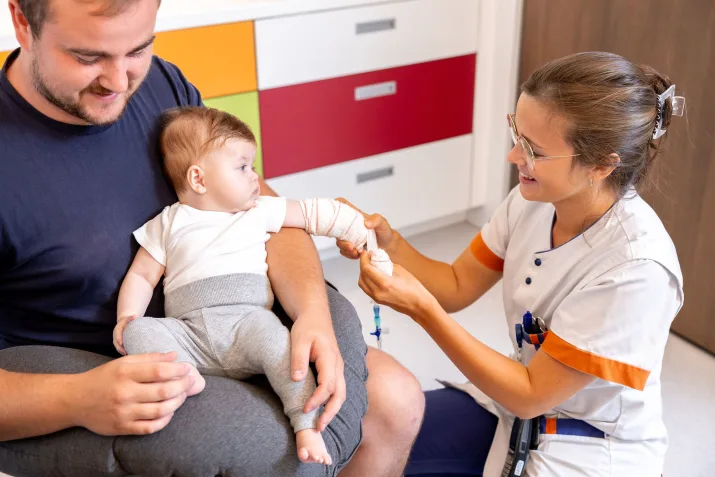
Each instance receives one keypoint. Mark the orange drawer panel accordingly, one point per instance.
(3, 56)
(219, 60)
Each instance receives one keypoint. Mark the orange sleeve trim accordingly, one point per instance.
(589, 363)
(484, 255)
(550, 425)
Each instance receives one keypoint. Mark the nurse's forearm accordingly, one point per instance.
(455, 286)
(437, 277)
(499, 377)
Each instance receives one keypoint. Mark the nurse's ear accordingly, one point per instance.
(196, 178)
(602, 171)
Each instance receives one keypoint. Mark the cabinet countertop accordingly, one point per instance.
(182, 14)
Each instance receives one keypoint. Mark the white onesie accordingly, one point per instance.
(200, 244)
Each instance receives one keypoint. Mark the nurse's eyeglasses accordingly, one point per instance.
(529, 157)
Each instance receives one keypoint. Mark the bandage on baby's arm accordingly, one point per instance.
(330, 218)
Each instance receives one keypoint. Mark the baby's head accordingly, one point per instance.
(208, 156)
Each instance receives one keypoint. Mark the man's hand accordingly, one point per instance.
(313, 339)
(135, 394)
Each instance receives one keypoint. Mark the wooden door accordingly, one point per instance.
(678, 39)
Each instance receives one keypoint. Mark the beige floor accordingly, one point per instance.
(688, 373)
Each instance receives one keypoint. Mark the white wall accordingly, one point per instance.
(497, 78)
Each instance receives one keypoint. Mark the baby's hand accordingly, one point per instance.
(118, 340)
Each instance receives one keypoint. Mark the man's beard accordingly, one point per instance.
(74, 108)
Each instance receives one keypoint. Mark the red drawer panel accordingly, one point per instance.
(321, 123)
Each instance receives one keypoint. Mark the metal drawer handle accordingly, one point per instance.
(375, 26)
(375, 90)
(376, 174)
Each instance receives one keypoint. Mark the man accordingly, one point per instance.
(80, 170)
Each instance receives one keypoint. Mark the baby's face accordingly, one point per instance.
(231, 182)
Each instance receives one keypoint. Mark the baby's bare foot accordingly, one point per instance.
(199, 382)
(311, 447)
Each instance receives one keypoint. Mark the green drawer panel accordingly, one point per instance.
(245, 107)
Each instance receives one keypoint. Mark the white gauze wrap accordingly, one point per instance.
(380, 259)
(330, 218)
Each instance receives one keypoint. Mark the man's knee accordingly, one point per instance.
(396, 399)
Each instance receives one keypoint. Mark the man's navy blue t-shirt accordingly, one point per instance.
(70, 198)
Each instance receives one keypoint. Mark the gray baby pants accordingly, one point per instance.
(225, 327)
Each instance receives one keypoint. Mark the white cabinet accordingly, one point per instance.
(303, 48)
(408, 186)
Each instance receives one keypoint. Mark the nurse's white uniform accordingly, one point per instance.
(608, 298)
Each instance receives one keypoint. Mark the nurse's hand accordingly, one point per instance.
(386, 237)
(401, 291)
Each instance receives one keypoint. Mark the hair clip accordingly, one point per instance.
(677, 107)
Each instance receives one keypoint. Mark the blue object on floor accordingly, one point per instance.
(455, 437)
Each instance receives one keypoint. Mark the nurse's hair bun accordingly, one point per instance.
(611, 106)
(660, 84)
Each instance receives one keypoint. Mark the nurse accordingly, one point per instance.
(591, 285)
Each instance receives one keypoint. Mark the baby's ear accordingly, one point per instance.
(195, 178)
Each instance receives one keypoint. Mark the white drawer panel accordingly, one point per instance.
(304, 48)
(408, 186)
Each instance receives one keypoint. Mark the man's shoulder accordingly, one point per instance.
(163, 70)
(166, 83)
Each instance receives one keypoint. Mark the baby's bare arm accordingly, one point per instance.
(138, 286)
(294, 215)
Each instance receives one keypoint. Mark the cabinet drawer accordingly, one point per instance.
(3, 56)
(244, 107)
(408, 187)
(218, 60)
(304, 48)
(332, 121)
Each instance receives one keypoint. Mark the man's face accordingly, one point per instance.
(89, 65)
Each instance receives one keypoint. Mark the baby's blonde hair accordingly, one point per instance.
(189, 133)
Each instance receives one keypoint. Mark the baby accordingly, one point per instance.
(210, 248)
